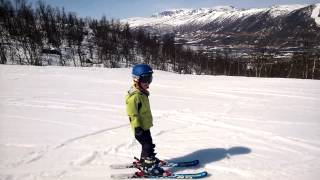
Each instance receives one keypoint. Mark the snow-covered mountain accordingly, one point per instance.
(204, 16)
(225, 21)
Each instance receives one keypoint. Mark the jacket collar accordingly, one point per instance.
(135, 88)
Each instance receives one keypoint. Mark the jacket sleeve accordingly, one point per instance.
(132, 103)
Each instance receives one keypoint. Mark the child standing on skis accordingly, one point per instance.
(140, 116)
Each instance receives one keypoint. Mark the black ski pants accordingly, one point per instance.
(145, 139)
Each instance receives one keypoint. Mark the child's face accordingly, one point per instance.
(145, 85)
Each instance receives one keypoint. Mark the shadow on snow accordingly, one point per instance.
(206, 156)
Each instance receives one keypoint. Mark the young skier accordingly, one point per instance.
(139, 112)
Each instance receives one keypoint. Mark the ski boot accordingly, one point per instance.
(152, 166)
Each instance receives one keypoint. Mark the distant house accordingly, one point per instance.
(51, 51)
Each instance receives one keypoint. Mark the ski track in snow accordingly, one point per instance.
(205, 120)
(38, 155)
(246, 129)
(88, 135)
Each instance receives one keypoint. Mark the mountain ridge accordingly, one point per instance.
(277, 23)
(170, 17)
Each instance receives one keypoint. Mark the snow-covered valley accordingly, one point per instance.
(70, 123)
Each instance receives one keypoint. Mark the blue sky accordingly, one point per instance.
(119, 9)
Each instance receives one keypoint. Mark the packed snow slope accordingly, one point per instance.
(70, 124)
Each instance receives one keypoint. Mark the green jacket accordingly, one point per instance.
(138, 109)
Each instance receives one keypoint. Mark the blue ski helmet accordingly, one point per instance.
(142, 73)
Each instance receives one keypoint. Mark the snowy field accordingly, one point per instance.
(59, 123)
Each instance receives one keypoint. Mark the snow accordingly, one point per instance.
(178, 17)
(202, 16)
(281, 10)
(70, 123)
(316, 14)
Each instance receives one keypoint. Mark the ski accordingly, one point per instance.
(162, 164)
(182, 164)
(172, 176)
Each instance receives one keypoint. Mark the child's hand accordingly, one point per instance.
(138, 131)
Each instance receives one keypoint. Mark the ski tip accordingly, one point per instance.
(204, 173)
(191, 163)
(201, 175)
(192, 175)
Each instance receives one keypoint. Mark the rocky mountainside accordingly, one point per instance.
(282, 25)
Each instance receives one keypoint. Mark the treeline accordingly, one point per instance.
(43, 35)
(31, 35)
(304, 64)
